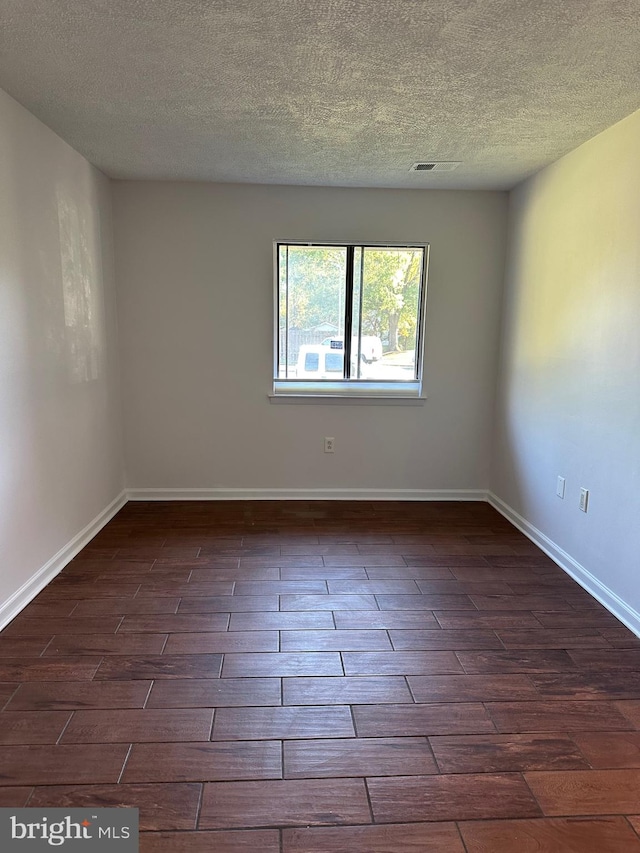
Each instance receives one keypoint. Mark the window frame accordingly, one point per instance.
(354, 389)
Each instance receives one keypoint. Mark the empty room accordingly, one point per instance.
(320, 426)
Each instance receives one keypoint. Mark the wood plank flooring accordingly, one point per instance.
(325, 677)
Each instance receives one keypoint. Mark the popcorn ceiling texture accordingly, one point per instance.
(340, 92)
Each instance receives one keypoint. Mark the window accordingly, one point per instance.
(349, 319)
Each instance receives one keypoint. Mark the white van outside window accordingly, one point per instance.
(319, 362)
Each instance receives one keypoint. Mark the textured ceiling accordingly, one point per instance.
(340, 92)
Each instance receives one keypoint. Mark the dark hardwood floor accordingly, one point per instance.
(306, 677)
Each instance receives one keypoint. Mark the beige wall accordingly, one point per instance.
(569, 393)
(195, 300)
(60, 445)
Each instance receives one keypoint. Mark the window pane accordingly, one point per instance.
(385, 304)
(311, 361)
(311, 308)
(390, 311)
(334, 362)
(356, 313)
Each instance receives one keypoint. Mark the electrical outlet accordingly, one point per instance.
(584, 499)
(329, 444)
(560, 487)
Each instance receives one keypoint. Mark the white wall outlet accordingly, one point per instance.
(584, 499)
(560, 487)
(329, 444)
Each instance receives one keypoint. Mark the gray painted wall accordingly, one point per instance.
(195, 301)
(60, 420)
(569, 388)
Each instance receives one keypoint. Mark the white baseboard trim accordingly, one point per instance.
(36, 583)
(222, 494)
(607, 597)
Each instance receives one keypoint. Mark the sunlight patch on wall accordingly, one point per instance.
(79, 249)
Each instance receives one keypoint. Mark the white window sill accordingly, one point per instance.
(363, 393)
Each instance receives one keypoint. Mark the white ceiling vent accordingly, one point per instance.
(434, 166)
